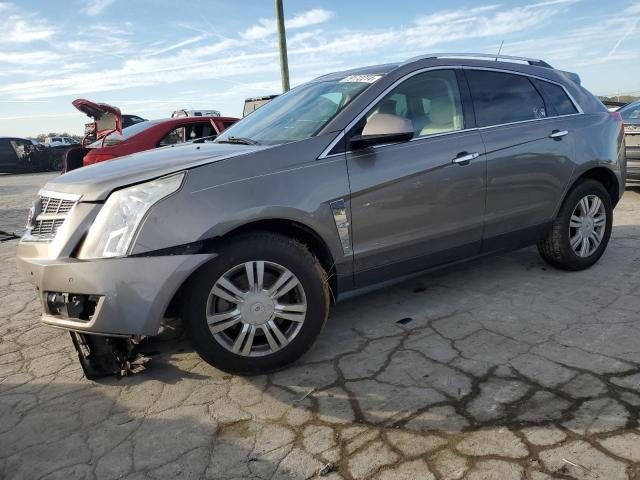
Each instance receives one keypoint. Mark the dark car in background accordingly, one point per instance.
(631, 118)
(146, 136)
(19, 155)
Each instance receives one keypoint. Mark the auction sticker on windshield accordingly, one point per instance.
(361, 78)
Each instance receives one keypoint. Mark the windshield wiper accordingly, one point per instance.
(239, 141)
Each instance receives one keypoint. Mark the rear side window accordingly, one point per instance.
(556, 96)
(500, 98)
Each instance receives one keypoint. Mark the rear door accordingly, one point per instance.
(412, 205)
(530, 149)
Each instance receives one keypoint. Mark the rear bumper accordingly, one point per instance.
(130, 294)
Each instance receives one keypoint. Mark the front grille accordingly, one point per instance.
(55, 206)
(50, 211)
(47, 227)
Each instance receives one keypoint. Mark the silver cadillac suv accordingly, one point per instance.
(348, 181)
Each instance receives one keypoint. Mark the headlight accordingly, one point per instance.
(115, 226)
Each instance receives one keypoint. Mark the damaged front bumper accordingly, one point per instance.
(102, 356)
(106, 304)
(114, 296)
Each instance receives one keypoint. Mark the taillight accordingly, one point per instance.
(618, 116)
(98, 157)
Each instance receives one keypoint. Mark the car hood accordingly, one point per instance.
(95, 182)
(106, 118)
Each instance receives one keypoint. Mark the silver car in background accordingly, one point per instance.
(631, 117)
(352, 180)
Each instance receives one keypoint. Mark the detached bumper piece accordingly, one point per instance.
(103, 356)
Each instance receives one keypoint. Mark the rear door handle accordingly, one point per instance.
(464, 158)
(558, 133)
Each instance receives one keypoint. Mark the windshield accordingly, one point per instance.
(115, 137)
(299, 113)
(631, 112)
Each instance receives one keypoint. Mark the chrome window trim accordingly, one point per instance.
(334, 142)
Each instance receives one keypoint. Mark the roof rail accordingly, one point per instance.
(531, 61)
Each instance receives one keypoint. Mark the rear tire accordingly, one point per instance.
(580, 233)
(234, 311)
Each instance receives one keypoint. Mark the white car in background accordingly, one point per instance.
(195, 113)
(59, 142)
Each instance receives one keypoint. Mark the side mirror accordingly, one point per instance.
(383, 128)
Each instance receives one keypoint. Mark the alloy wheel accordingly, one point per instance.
(587, 226)
(256, 308)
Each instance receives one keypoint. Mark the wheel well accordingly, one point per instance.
(288, 228)
(607, 178)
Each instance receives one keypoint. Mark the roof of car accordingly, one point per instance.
(506, 62)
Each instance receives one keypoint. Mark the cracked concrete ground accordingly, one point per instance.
(505, 369)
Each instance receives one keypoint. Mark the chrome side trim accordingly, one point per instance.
(339, 210)
(325, 152)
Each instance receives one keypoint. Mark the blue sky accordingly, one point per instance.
(150, 57)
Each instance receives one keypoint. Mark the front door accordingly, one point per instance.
(418, 203)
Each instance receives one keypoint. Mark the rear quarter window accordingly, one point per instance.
(500, 98)
(560, 103)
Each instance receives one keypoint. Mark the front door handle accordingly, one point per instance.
(558, 134)
(463, 158)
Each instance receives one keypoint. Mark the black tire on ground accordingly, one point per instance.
(269, 247)
(556, 249)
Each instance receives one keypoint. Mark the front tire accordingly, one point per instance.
(258, 306)
(580, 233)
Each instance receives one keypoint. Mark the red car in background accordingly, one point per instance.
(116, 142)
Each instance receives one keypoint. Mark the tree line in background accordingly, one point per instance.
(620, 98)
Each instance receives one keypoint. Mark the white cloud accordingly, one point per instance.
(633, 9)
(19, 28)
(267, 26)
(176, 46)
(632, 26)
(312, 17)
(95, 7)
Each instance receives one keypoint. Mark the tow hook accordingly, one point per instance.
(102, 356)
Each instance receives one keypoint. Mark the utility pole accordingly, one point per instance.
(282, 42)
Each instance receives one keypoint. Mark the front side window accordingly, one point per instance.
(500, 98)
(299, 113)
(430, 101)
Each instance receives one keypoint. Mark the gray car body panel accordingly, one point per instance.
(408, 207)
